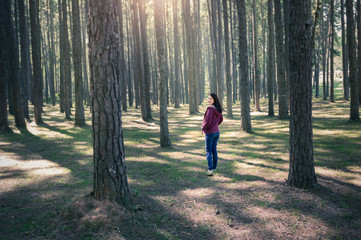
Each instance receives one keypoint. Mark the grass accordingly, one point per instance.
(46, 176)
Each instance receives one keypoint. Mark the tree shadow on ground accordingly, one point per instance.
(173, 197)
(48, 211)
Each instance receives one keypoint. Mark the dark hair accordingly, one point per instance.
(216, 103)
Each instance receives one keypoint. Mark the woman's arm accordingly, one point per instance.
(220, 120)
(206, 121)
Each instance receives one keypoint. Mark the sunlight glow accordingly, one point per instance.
(197, 193)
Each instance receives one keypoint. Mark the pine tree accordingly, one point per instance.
(110, 178)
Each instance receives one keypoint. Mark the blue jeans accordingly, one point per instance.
(211, 150)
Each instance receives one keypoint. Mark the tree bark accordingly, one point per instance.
(138, 60)
(271, 58)
(24, 55)
(213, 35)
(317, 72)
(318, 7)
(84, 54)
(45, 62)
(79, 108)
(66, 63)
(185, 61)
(61, 53)
(160, 35)
(332, 21)
(146, 64)
(286, 15)
(359, 49)
(220, 68)
(176, 54)
(282, 84)
(228, 60)
(51, 53)
(243, 58)
(129, 71)
(234, 57)
(324, 33)
(346, 82)
(263, 85)
(110, 178)
(123, 69)
(257, 81)
(36, 57)
(301, 170)
(354, 104)
(4, 125)
(193, 108)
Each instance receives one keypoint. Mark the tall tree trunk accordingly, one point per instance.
(263, 85)
(354, 104)
(155, 80)
(271, 58)
(84, 54)
(48, 49)
(29, 70)
(228, 60)
(176, 54)
(332, 21)
(79, 108)
(190, 55)
(302, 170)
(129, 71)
(123, 69)
(220, 73)
(166, 56)
(138, 61)
(359, 49)
(110, 178)
(317, 72)
(45, 63)
(146, 67)
(257, 81)
(70, 19)
(282, 84)
(243, 61)
(36, 56)
(62, 58)
(185, 61)
(315, 54)
(286, 15)
(160, 35)
(234, 57)
(66, 63)
(51, 53)
(346, 82)
(24, 55)
(4, 78)
(214, 41)
(251, 54)
(12, 63)
(324, 43)
(198, 56)
(318, 7)
(328, 63)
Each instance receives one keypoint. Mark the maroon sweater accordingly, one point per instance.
(212, 118)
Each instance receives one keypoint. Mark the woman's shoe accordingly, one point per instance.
(210, 173)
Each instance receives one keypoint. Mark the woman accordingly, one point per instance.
(212, 118)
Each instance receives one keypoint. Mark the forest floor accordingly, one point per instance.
(46, 177)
